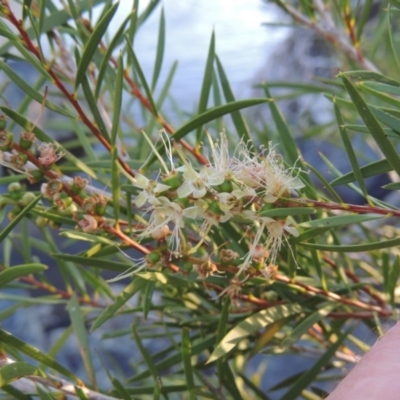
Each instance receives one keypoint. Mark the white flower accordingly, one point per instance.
(277, 230)
(150, 189)
(198, 183)
(164, 212)
(266, 173)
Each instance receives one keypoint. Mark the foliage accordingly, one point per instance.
(222, 253)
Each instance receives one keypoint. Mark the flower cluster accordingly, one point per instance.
(232, 188)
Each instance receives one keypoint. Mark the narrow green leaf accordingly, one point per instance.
(139, 71)
(15, 393)
(306, 324)
(136, 285)
(356, 248)
(310, 375)
(387, 119)
(373, 169)
(391, 29)
(364, 17)
(339, 220)
(221, 331)
(373, 125)
(186, 357)
(198, 346)
(92, 103)
(36, 33)
(207, 116)
(34, 353)
(16, 370)
(149, 361)
(93, 43)
(111, 265)
(350, 151)
(392, 186)
(6, 231)
(237, 118)
(287, 140)
(10, 274)
(31, 92)
(206, 85)
(148, 296)
(160, 50)
(87, 237)
(325, 183)
(107, 55)
(116, 187)
(78, 323)
(250, 325)
(119, 387)
(284, 212)
(42, 11)
(361, 76)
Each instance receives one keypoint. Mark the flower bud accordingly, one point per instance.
(18, 160)
(41, 221)
(14, 187)
(35, 176)
(27, 198)
(89, 205)
(161, 233)
(78, 184)
(26, 140)
(6, 140)
(153, 258)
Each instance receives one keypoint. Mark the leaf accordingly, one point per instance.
(116, 187)
(7, 230)
(111, 265)
(237, 117)
(141, 75)
(160, 50)
(186, 357)
(350, 151)
(310, 375)
(361, 76)
(339, 220)
(373, 169)
(107, 55)
(93, 43)
(250, 325)
(207, 116)
(31, 92)
(287, 140)
(206, 85)
(303, 327)
(373, 125)
(382, 244)
(78, 323)
(34, 353)
(10, 274)
(136, 285)
(16, 370)
(284, 212)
